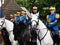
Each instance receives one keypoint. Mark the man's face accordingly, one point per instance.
(52, 11)
(18, 14)
(34, 10)
(11, 17)
(22, 14)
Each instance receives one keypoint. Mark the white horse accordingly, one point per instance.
(44, 37)
(4, 23)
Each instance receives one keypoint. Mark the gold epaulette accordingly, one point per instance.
(47, 16)
(57, 16)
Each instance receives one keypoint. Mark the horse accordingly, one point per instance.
(43, 34)
(21, 33)
(8, 26)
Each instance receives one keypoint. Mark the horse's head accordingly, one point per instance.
(21, 25)
(34, 21)
(1, 22)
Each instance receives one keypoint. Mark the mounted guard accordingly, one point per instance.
(52, 20)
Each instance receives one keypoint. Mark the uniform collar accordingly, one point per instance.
(18, 16)
(35, 13)
(53, 13)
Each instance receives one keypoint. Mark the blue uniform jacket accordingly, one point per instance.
(53, 22)
(17, 18)
(23, 18)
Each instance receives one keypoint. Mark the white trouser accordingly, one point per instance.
(11, 36)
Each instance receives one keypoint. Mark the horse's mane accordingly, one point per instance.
(19, 28)
(20, 25)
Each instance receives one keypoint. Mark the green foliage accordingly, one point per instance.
(40, 4)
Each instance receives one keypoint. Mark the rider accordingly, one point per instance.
(35, 12)
(52, 20)
(18, 16)
(14, 16)
(23, 16)
(11, 18)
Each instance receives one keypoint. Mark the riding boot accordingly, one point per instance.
(14, 42)
(20, 42)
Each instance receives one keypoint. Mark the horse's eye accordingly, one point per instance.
(1, 21)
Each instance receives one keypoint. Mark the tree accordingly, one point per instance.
(41, 4)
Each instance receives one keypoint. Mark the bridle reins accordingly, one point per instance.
(42, 37)
(36, 22)
(39, 31)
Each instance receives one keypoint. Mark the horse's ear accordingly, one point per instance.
(4, 17)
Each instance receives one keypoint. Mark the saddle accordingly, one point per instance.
(51, 32)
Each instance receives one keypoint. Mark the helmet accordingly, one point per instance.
(34, 7)
(18, 12)
(23, 12)
(52, 8)
(15, 15)
(11, 15)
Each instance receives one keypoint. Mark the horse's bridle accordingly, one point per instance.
(2, 24)
(36, 22)
(39, 31)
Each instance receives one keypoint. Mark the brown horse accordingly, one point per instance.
(21, 33)
(2, 38)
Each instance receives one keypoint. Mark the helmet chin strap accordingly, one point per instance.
(37, 22)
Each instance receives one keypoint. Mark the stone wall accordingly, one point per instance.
(10, 7)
